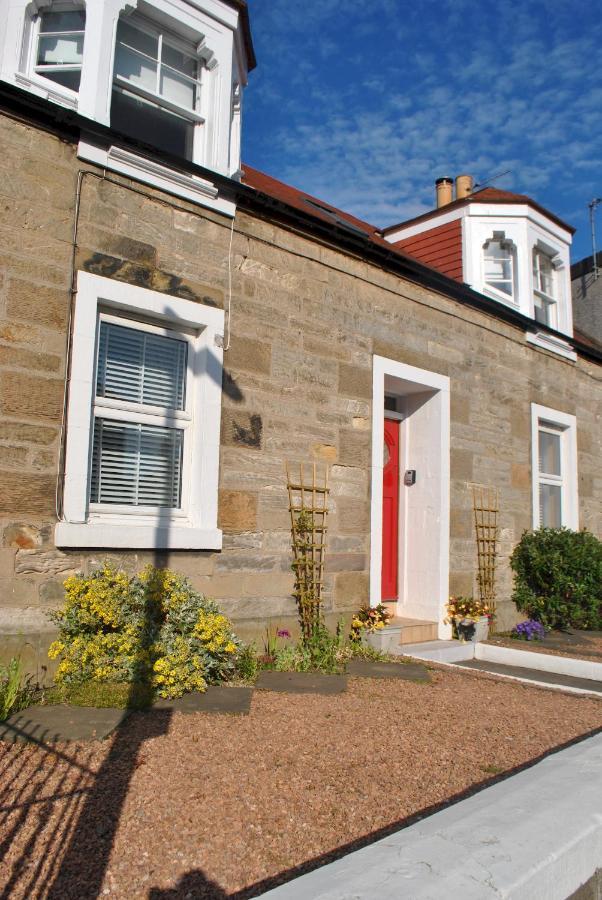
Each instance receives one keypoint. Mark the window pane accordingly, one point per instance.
(542, 311)
(68, 79)
(136, 465)
(498, 265)
(135, 68)
(550, 505)
(180, 61)
(140, 367)
(549, 453)
(63, 21)
(177, 89)
(64, 50)
(139, 40)
(151, 124)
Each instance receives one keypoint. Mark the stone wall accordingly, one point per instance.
(306, 321)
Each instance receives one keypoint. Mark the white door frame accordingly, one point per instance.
(434, 576)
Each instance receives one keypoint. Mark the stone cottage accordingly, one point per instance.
(175, 327)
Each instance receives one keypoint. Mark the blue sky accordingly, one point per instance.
(365, 102)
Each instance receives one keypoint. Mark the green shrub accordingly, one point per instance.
(247, 663)
(151, 628)
(558, 578)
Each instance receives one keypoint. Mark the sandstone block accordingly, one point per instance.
(249, 355)
(351, 590)
(46, 562)
(324, 451)
(28, 395)
(345, 562)
(237, 510)
(36, 303)
(244, 540)
(27, 434)
(462, 462)
(251, 562)
(7, 563)
(26, 493)
(521, 476)
(355, 382)
(52, 593)
(354, 448)
(352, 516)
(26, 537)
(241, 428)
(26, 359)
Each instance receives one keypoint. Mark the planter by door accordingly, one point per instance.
(390, 558)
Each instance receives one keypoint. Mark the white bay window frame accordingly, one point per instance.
(194, 524)
(563, 425)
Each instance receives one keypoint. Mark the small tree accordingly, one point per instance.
(558, 577)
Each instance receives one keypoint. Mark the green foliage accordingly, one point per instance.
(320, 652)
(558, 578)
(12, 694)
(247, 663)
(151, 629)
(101, 695)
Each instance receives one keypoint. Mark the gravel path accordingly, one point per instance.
(199, 805)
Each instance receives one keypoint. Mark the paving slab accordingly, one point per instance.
(364, 668)
(301, 682)
(216, 699)
(552, 678)
(51, 724)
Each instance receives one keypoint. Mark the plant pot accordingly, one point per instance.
(481, 631)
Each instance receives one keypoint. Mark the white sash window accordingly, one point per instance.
(142, 452)
(555, 502)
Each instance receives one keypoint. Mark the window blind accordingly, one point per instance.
(136, 465)
(141, 367)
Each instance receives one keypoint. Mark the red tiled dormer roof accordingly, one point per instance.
(439, 247)
(485, 195)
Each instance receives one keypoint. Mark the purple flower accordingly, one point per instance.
(282, 632)
(530, 630)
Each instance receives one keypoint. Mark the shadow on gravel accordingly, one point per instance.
(194, 885)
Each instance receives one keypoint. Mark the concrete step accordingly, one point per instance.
(401, 631)
(439, 651)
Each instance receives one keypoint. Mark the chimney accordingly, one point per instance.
(444, 189)
(464, 186)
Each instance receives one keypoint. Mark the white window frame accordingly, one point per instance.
(489, 287)
(34, 38)
(549, 302)
(566, 426)
(196, 116)
(194, 526)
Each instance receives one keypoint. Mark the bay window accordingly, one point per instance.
(544, 293)
(156, 87)
(499, 265)
(554, 468)
(57, 47)
(143, 423)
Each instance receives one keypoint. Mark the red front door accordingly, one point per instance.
(390, 510)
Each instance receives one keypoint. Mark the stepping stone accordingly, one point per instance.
(216, 699)
(51, 724)
(301, 682)
(363, 668)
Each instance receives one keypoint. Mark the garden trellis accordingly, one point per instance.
(308, 506)
(486, 507)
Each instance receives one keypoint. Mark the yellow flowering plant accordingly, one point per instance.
(369, 619)
(151, 628)
(467, 609)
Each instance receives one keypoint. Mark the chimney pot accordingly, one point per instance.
(464, 186)
(445, 191)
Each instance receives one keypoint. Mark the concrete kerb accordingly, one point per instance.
(497, 843)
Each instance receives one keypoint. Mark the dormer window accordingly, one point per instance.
(58, 46)
(499, 265)
(544, 288)
(156, 87)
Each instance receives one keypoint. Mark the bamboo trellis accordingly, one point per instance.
(486, 507)
(308, 506)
